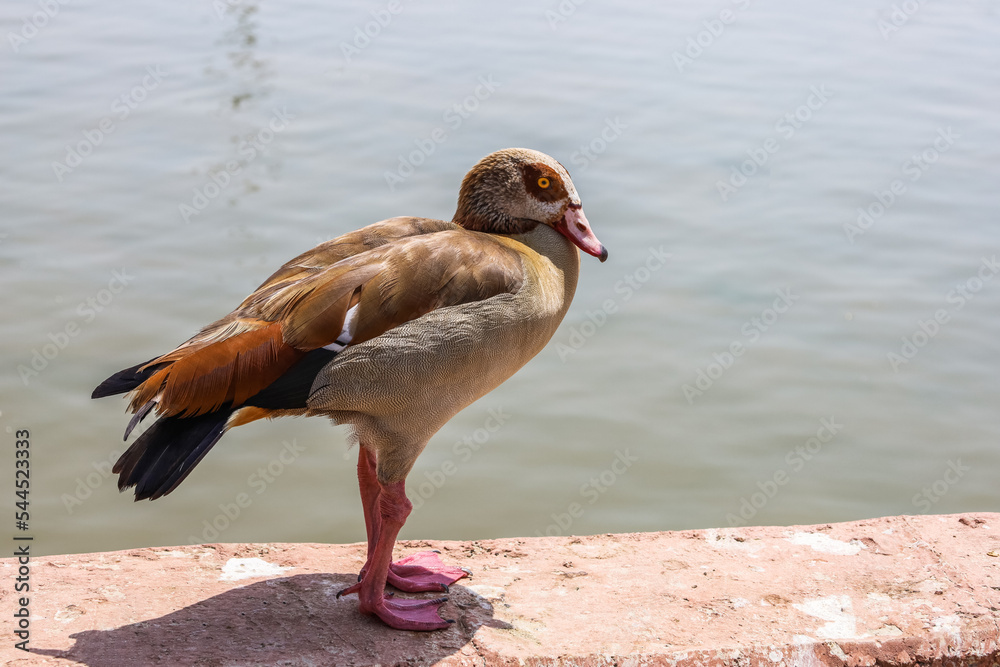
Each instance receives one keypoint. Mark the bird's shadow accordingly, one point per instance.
(290, 620)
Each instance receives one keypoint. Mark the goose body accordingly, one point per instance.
(445, 360)
(393, 329)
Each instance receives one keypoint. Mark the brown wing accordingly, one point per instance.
(353, 243)
(390, 272)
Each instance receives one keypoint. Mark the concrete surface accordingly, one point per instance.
(891, 591)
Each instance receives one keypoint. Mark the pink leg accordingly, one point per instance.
(386, 509)
(418, 573)
(370, 490)
(393, 508)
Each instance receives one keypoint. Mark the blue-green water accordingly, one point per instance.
(820, 345)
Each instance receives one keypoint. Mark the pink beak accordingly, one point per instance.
(574, 226)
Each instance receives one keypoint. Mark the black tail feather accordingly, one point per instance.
(124, 381)
(139, 415)
(291, 390)
(167, 452)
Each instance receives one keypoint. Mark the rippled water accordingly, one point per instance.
(162, 159)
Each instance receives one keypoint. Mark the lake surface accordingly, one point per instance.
(798, 322)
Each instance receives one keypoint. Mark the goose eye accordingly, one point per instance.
(543, 182)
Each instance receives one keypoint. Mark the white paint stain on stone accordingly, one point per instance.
(838, 613)
(804, 652)
(825, 544)
(951, 626)
(236, 569)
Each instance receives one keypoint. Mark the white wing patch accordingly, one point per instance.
(347, 333)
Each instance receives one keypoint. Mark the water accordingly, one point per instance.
(275, 135)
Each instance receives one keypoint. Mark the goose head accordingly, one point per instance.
(514, 190)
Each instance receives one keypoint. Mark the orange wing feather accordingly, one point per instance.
(228, 371)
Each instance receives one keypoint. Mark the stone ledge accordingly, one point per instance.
(890, 591)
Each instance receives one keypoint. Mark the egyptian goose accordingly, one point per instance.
(393, 329)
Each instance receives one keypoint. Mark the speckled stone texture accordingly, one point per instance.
(891, 591)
